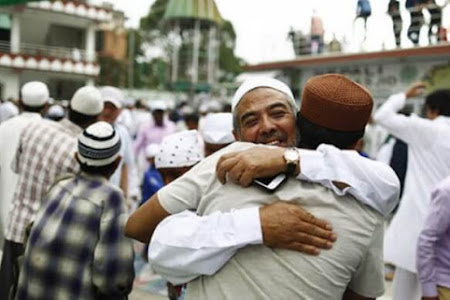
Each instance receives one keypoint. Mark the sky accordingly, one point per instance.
(262, 25)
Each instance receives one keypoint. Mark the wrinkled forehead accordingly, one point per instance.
(262, 98)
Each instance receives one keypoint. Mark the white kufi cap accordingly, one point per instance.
(87, 101)
(151, 150)
(218, 128)
(252, 84)
(179, 150)
(113, 95)
(35, 93)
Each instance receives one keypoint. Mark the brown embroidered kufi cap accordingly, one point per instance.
(336, 102)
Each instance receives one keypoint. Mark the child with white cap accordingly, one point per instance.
(178, 153)
(76, 248)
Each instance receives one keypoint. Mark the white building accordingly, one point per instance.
(50, 41)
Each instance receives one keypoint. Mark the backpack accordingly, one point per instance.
(363, 9)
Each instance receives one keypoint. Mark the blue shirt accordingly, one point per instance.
(152, 182)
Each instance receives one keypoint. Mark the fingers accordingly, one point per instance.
(308, 249)
(313, 240)
(309, 218)
(224, 165)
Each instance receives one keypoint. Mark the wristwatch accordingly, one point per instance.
(292, 159)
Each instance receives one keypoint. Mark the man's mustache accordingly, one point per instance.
(271, 136)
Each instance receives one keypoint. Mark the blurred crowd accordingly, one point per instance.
(77, 177)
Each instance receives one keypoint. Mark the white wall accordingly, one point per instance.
(10, 81)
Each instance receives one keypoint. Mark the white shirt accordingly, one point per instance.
(183, 248)
(9, 138)
(428, 164)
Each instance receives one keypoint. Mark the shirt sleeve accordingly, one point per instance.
(410, 129)
(113, 272)
(372, 183)
(436, 225)
(140, 141)
(185, 246)
(368, 280)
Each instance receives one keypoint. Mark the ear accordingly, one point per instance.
(236, 135)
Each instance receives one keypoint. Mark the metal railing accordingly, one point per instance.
(49, 51)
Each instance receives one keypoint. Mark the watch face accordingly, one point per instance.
(291, 155)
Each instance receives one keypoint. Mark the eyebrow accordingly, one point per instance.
(270, 107)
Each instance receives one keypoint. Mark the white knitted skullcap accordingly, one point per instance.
(218, 128)
(98, 145)
(56, 111)
(113, 95)
(151, 150)
(252, 84)
(179, 150)
(35, 93)
(87, 101)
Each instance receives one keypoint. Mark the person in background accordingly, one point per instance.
(179, 152)
(317, 32)
(76, 248)
(113, 99)
(33, 103)
(55, 112)
(428, 164)
(394, 12)
(152, 180)
(156, 130)
(217, 132)
(44, 152)
(433, 251)
(7, 111)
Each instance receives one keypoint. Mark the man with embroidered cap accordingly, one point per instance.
(264, 112)
(217, 132)
(113, 104)
(34, 97)
(76, 248)
(44, 152)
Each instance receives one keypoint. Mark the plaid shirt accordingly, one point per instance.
(77, 248)
(45, 151)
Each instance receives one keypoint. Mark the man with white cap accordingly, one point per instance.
(264, 113)
(44, 152)
(77, 249)
(113, 99)
(217, 132)
(156, 130)
(34, 97)
(56, 112)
